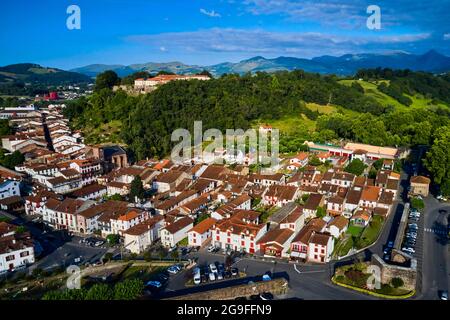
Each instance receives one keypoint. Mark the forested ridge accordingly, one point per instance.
(234, 101)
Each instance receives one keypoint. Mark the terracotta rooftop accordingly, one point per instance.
(204, 225)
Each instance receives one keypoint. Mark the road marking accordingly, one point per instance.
(436, 231)
(312, 271)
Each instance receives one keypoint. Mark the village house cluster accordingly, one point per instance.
(296, 213)
(145, 85)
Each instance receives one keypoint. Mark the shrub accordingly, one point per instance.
(99, 292)
(128, 289)
(417, 203)
(397, 282)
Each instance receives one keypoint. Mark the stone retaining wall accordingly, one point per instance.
(276, 287)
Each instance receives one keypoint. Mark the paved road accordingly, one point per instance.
(436, 258)
(311, 282)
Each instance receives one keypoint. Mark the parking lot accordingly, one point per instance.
(71, 251)
(413, 239)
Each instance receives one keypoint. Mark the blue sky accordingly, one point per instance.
(206, 32)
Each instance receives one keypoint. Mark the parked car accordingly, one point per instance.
(266, 277)
(408, 249)
(219, 276)
(444, 295)
(213, 268)
(227, 274)
(154, 284)
(211, 248)
(197, 278)
(255, 297)
(234, 271)
(174, 269)
(390, 244)
(212, 276)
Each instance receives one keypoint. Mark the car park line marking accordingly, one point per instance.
(436, 231)
(312, 271)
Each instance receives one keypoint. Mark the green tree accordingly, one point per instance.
(130, 289)
(314, 161)
(12, 160)
(356, 167)
(417, 203)
(137, 189)
(397, 282)
(99, 292)
(106, 80)
(321, 212)
(5, 129)
(437, 159)
(113, 239)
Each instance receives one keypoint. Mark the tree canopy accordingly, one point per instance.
(106, 80)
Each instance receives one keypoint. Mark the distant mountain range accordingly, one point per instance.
(348, 64)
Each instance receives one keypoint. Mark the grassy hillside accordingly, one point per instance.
(371, 89)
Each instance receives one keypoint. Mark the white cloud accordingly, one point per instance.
(163, 49)
(447, 36)
(257, 41)
(211, 13)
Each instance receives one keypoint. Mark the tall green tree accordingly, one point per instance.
(437, 159)
(356, 167)
(106, 80)
(137, 189)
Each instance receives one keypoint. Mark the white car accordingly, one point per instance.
(219, 276)
(213, 268)
(197, 278)
(410, 250)
(211, 248)
(212, 276)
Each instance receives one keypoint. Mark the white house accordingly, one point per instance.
(176, 231)
(9, 188)
(337, 226)
(138, 238)
(237, 236)
(16, 250)
(201, 232)
(320, 248)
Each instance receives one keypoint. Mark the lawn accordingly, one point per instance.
(145, 273)
(290, 124)
(371, 89)
(343, 246)
(355, 231)
(370, 233)
(326, 109)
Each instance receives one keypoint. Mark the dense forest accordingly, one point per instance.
(234, 101)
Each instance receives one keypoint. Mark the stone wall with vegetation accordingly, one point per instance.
(388, 272)
(276, 287)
